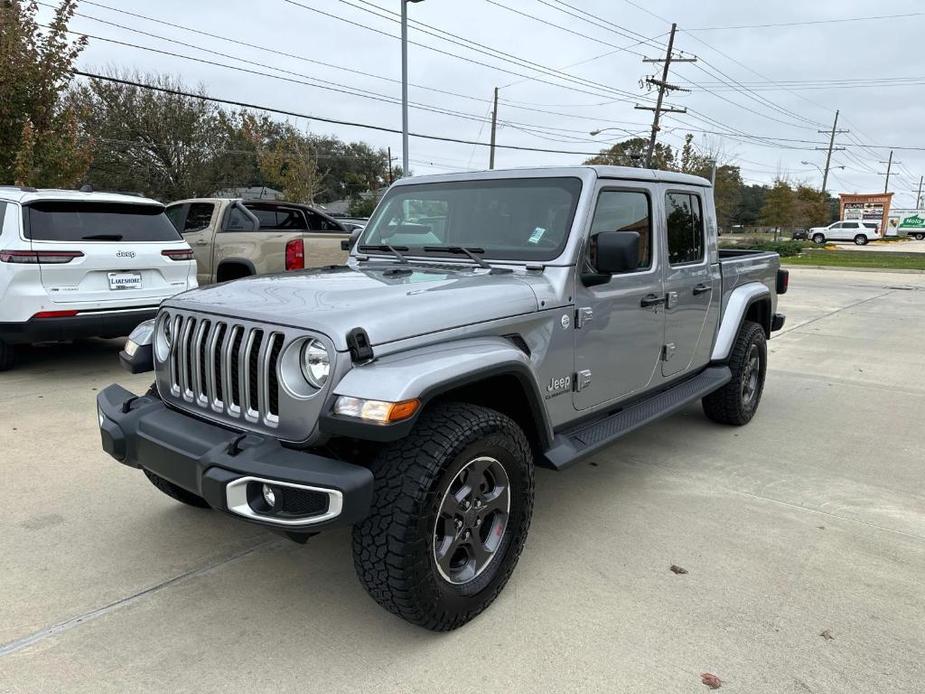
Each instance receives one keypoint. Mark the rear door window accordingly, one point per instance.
(177, 215)
(279, 218)
(199, 217)
(318, 222)
(685, 228)
(97, 221)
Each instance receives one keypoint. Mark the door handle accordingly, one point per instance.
(201, 243)
(652, 300)
(702, 289)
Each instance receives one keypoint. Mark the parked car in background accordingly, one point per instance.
(799, 235)
(234, 238)
(859, 232)
(353, 223)
(76, 264)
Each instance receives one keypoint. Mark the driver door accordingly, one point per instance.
(620, 324)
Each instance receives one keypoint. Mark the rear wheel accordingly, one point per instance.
(860, 240)
(7, 356)
(919, 236)
(818, 239)
(175, 492)
(451, 510)
(737, 401)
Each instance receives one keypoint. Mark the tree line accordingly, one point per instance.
(56, 131)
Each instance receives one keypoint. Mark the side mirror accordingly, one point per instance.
(138, 354)
(347, 244)
(617, 251)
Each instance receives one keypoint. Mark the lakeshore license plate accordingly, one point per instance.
(124, 280)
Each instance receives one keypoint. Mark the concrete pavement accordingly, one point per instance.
(810, 520)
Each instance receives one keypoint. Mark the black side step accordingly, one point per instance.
(571, 445)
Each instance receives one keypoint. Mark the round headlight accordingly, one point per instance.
(316, 363)
(163, 337)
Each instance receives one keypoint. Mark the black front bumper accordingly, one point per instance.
(204, 459)
(89, 324)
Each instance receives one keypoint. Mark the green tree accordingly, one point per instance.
(153, 142)
(632, 152)
(778, 209)
(41, 143)
(288, 160)
(810, 207)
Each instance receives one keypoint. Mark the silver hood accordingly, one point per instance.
(390, 301)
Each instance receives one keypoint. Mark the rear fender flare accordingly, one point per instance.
(736, 308)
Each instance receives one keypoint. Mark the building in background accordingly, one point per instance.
(868, 208)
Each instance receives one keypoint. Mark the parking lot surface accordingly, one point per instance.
(803, 535)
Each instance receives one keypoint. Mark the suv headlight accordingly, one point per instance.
(163, 336)
(316, 363)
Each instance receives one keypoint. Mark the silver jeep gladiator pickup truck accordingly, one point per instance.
(485, 324)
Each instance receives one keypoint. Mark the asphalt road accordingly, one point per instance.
(803, 535)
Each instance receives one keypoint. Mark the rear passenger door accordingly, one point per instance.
(322, 241)
(690, 282)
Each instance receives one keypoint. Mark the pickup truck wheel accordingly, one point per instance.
(818, 239)
(737, 401)
(175, 492)
(451, 509)
(7, 356)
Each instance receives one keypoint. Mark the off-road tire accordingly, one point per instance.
(7, 356)
(393, 548)
(175, 492)
(728, 405)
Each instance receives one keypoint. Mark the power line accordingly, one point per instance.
(597, 21)
(320, 119)
(811, 22)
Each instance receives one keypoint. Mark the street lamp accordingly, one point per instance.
(404, 85)
(819, 169)
(595, 133)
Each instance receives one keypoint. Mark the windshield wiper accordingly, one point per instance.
(394, 250)
(459, 250)
(102, 237)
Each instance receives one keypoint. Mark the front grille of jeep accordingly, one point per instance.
(226, 367)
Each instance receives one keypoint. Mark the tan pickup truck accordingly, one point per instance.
(233, 238)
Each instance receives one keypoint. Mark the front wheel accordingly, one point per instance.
(860, 240)
(818, 239)
(737, 401)
(451, 510)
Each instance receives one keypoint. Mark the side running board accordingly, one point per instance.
(571, 445)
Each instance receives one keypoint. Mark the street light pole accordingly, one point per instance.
(404, 85)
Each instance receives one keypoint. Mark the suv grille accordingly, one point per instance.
(226, 367)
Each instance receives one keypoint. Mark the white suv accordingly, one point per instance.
(76, 264)
(852, 230)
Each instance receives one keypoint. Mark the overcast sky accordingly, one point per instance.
(557, 86)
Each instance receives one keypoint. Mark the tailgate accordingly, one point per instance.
(120, 252)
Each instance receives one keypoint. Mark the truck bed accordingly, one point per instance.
(739, 267)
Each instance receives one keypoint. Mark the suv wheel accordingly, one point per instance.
(860, 240)
(819, 239)
(451, 510)
(7, 356)
(737, 401)
(175, 492)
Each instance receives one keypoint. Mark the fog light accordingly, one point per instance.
(269, 495)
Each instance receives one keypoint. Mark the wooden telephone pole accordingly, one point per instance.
(494, 129)
(663, 87)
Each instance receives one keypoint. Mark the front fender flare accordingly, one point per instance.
(427, 372)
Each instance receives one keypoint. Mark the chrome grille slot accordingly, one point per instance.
(228, 368)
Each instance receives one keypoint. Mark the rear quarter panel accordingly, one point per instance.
(743, 267)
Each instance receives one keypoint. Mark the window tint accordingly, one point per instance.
(288, 218)
(177, 214)
(98, 221)
(199, 217)
(318, 222)
(685, 228)
(620, 210)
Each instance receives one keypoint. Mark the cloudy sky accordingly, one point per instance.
(769, 75)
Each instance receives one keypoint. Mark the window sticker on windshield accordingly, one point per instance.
(536, 235)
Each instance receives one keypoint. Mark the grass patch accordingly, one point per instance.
(849, 259)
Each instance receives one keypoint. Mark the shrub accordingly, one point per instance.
(784, 249)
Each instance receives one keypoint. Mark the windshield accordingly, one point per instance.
(98, 221)
(509, 219)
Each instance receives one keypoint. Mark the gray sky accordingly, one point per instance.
(593, 94)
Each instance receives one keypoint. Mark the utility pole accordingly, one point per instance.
(494, 128)
(713, 173)
(831, 148)
(889, 169)
(663, 86)
(918, 198)
(390, 165)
